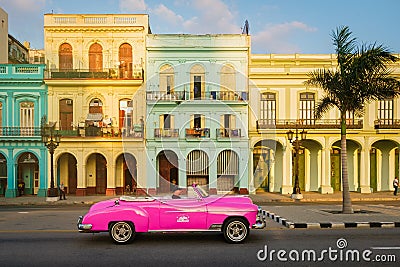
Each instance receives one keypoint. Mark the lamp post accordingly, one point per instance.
(51, 140)
(296, 143)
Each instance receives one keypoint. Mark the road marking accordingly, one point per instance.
(38, 231)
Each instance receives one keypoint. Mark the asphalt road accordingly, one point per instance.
(48, 237)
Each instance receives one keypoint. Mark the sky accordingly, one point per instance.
(276, 26)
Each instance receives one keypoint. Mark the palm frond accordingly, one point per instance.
(324, 105)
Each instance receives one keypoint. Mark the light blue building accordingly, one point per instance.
(23, 157)
(197, 112)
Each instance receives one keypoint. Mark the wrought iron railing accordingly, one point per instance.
(166, 133)
(309, 124)
(197, 133)
(7, 131)
(228, 96)
(228, 133)
(105, 73)
(387, 124)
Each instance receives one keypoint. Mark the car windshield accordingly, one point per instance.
(203, 193)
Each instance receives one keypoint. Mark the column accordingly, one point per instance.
(326, 187)
(81, 179)
(365, 175)
(287, 172)
(111, 191)
(243, 170)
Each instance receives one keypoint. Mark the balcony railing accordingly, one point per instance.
(309, 124)
(110, 73)
(104, 132)
(166, 133)
(174, 96)
(197, 133)
(20, 131)
(228, 133)
(387, 124)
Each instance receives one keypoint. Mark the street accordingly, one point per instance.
(47, 236)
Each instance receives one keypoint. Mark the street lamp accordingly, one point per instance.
(51, 140)
(296, 143)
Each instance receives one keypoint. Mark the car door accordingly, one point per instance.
(176, 214)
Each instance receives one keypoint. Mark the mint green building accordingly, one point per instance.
(23, 157)
(197, 112)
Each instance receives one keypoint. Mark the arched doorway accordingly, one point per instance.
(267, 176)
(68, 172)
(27, 174)
(125, 60)
(96, 168)
(3, 175)
(126, 174)
(197, 168)
(384, 164)
(167, 171)
(353, 165)
(227, 171)
(95, 58)
(65, 57)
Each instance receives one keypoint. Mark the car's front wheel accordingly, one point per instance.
(235, 230)
(122, 232)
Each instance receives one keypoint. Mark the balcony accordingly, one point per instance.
(20, 133)
(196, 133)
(21, 72)
(166, 133)
(387, 124)
(308, 124)
(228, 133)
(90, 131)
(174, 96)
(111, 73)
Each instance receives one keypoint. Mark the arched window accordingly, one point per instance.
(95, 58)
(96, 106)
(125, 61)
(167, 79)
(65, 57)
(227, 83)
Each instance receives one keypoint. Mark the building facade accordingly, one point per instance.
(95, 70)
(282, 102)
(23, 157)
(197, 112)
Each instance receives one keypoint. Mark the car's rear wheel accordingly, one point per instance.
(235, 230)
(122, 232)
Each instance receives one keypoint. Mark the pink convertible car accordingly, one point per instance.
(123, 217)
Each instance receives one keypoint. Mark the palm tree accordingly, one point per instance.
(360, 77)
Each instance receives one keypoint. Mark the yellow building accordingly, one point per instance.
(95, 71)
(279, 101)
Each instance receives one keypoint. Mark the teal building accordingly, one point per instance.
(23, 157)
(197, 112)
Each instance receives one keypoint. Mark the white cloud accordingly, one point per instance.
(275, 38)
(167, 15)
(134, 6)
(211, 16)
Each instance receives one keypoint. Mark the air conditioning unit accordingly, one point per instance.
(68, 102)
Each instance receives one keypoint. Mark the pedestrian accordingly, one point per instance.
(176, 193)
(62, 191)
(395, 185)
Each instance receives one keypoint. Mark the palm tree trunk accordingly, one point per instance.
(346, 205)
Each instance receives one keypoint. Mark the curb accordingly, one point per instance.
(331, 225)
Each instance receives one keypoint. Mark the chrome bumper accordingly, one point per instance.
(83, 227)
(260, 220)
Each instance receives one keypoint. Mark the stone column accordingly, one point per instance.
(287, 172)
(365, 175)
